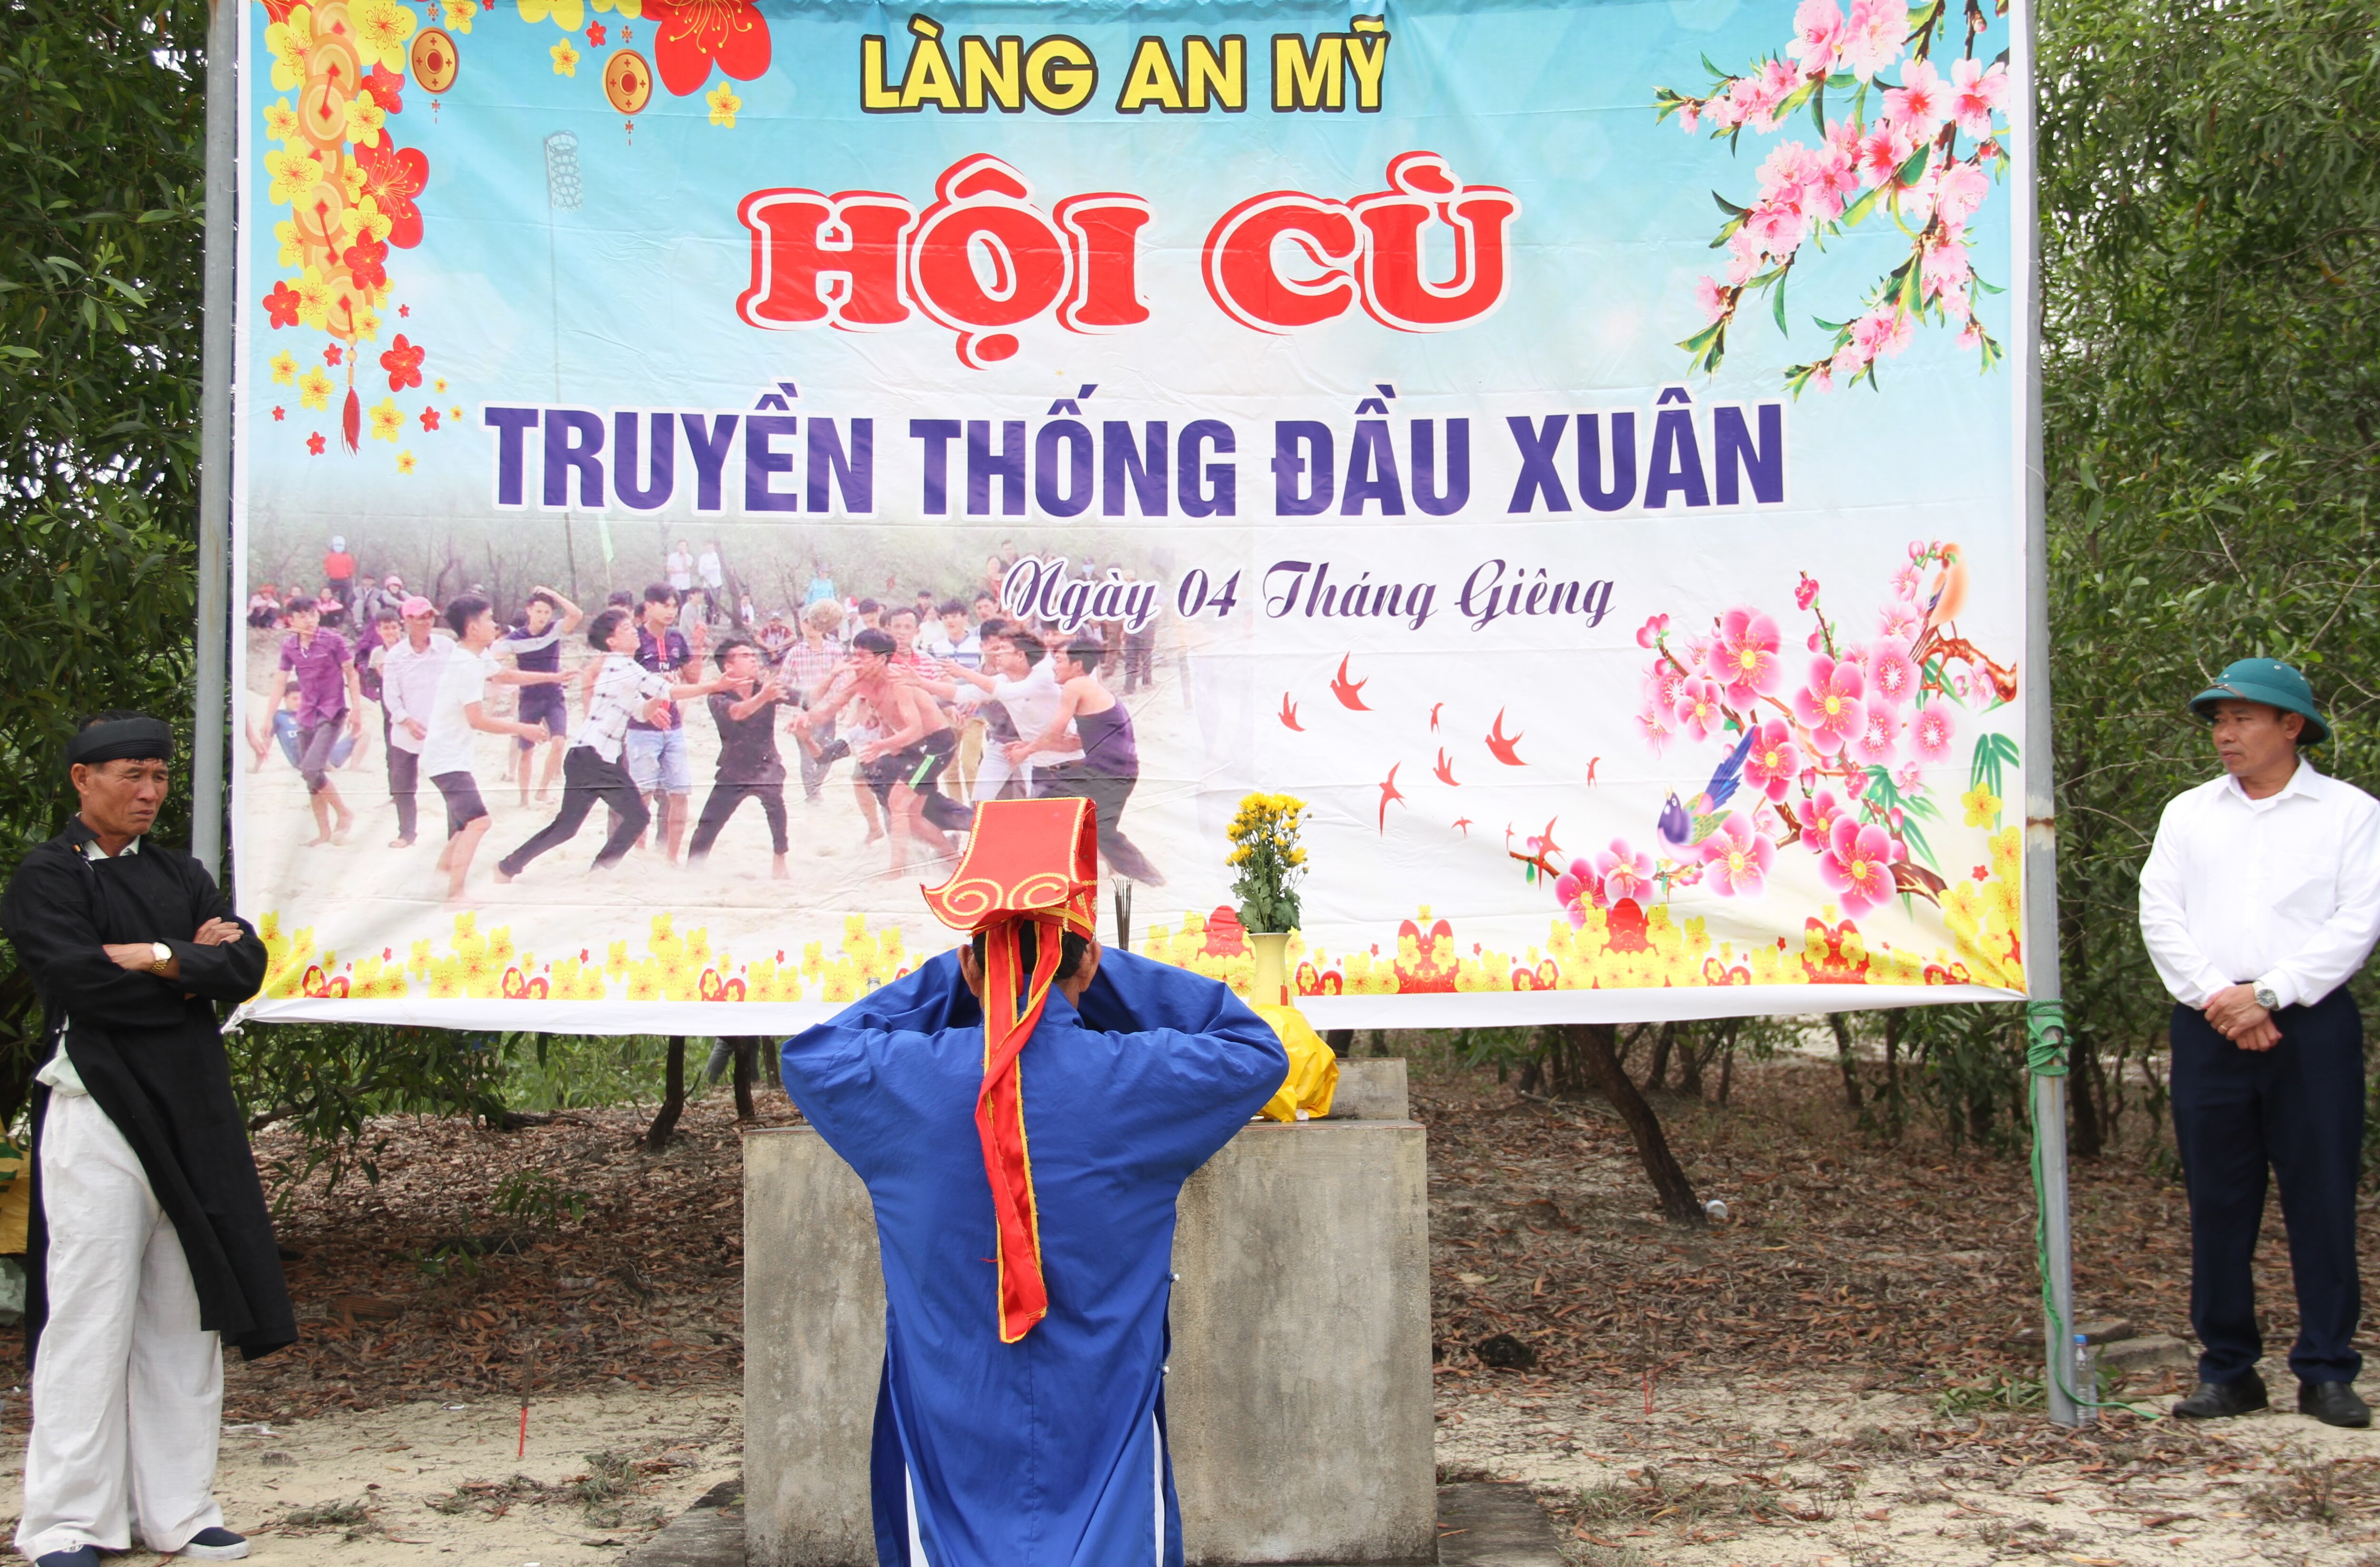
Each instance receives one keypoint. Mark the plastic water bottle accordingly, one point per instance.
(1716, 1210)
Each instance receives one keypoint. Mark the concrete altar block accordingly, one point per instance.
(1371, 1087)
(1298, 1396)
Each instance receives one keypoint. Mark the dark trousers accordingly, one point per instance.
(1107, 794)
(724, 798)
(814, 771)
(404, 780)
(585, 779)
(2297, 1107)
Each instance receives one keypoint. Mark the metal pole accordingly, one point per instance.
(2042, 977)
(221, 286)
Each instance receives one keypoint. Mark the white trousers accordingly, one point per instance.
(128, 1391)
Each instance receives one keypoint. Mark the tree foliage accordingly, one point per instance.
(2210, 204)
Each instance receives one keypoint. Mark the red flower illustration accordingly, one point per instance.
(280, 414)
(367, 261)
(331, 355)
(429, 416)
(691, 35)
(394, 175)
(386, 89)
(403, 362)
(595, 34)
(314, 443)
(281, 306)
(405, 311)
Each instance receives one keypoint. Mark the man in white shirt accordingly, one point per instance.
(408, 684)
(456, 716)
(2260, 900)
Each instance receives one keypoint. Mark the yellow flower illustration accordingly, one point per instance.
(314, 388)
(293, 173)
(565, 58)
(459, 14)
(405, 462)
(365, 117)
(723, 105)
(625, 7)
(568, 15)
(281, 121)
(284, 369)
(383, 26)
(387, 419)
(439, 385)
(1982, 806)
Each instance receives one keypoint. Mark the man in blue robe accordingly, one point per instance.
(1021, 1419)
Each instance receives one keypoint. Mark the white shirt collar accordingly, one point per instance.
(90, 849)
(2304, 782)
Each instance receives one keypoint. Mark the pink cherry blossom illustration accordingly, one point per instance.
(1922, 153)
(1650, 632)
(1623, 873)
(1736, 856)
(1892, 678)
(1698, 710)
(1830, 706)
(1857, 866)
(1932, 732)
(1818, 816)
(1820, 32)
(1977, 95)
(1879, 735)
(1743, 659)
(1921, 103)
(1772, 761)
(1575, 889)
(1653, 727)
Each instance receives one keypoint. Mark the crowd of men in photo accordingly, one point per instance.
(939, 703)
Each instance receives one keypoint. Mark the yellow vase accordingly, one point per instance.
(1271, 987)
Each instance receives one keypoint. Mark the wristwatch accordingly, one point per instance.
(2267, 998)
(161, 958)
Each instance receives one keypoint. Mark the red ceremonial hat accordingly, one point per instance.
(1034, 861)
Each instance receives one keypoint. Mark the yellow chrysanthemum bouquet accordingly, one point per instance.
(1270, 863)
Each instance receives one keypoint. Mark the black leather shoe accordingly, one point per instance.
(2217, 1400)
(2334, 1403)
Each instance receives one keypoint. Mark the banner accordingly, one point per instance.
(1576, 449)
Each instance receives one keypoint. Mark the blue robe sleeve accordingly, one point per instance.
(1198, 1063)
(845, 1074)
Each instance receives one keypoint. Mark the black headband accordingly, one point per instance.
(121, 739)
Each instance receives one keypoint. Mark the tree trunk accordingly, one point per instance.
(1341, 1040)
(747, 1051)
(1593, 1044)
(772, 1062)
(1726, 1069)
(664, 1126)
(1893, 1103)
(1842, 1026)
(1657, 1074)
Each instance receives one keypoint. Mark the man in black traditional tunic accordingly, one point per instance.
(150, 1238)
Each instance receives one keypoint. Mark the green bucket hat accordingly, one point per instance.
(2268, 681)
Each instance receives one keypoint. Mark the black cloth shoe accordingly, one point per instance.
(81, 1556)
(2216, 1400)
(2334, 1403)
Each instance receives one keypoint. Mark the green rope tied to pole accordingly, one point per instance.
(2044, 1039)
(2044, 1056)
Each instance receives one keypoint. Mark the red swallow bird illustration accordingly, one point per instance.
(1289, 713)
(1435, 708)
(1445, 770)
(1464, 823)
(1348, 691)
(1502, 744)
(1389, 791)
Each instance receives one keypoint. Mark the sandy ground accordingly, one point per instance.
(428, 1482)
(1810, 1471)
(1802, 1472)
